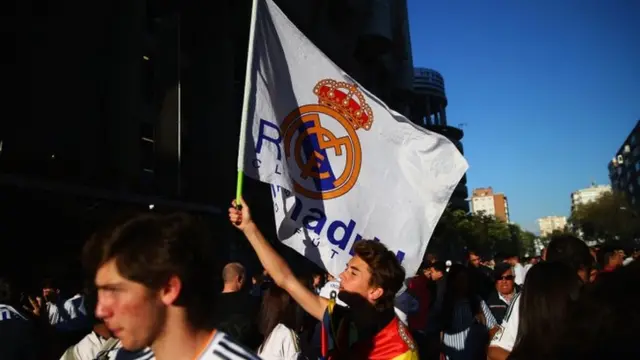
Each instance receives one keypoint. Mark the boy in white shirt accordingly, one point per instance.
(156, 275)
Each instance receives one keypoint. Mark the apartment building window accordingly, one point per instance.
(638, 165)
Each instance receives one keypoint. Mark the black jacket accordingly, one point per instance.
(497, 306)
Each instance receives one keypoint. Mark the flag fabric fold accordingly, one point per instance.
(342, 165)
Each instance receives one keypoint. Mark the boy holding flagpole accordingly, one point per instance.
(369, 328)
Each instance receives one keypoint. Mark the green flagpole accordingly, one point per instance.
(248, 90)
(239, 182)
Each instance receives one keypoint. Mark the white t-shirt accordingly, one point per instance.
(330, 290)
(506, 336)
(76, 315)
(627, 261)
(7, 313)
(87, 349)
(63, 311)
(282, 344)
(53, 313)
(518, 271)
(526, 269)
(75, 306)
(220, 347)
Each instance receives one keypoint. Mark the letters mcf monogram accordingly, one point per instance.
(309, 141)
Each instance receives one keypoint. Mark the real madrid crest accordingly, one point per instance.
(321, 140)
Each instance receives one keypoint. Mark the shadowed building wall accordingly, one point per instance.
(150, 104)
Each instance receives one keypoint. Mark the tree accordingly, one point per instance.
(446, 236)
(528, 243)
(608, 218)
(483, 233)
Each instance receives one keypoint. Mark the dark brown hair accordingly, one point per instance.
(151, 248)
(386, 271)
(277, 308)
(603, 324)
(570, 251)
(458, 276)
(550, 290)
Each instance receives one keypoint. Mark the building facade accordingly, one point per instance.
(485, 201)
(549, 224)
(152, 102)
(150, 105)
(624, 168)
(587, 195)
(428, 109)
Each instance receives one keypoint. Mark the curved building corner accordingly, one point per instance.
(428, 109)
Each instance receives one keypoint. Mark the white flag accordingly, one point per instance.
(342, 165)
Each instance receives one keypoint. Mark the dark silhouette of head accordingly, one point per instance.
(572, 252)
(549, 291)
(278, 308)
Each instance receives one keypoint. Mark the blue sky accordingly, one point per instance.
(548, 90)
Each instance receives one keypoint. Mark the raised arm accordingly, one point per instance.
(275, 264)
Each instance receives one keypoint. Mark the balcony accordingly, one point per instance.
(449, 131)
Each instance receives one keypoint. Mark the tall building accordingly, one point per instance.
(428, 110)
(624, 168)
(587, 195)
(430, 98)
(484, 200)
(549, 224)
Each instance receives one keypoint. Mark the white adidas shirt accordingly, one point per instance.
(282, 344)
(7, 313)
(331, 290)
(87, 349)
(220, 347)
(506, 336)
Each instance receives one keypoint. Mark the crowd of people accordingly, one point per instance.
(157, 288)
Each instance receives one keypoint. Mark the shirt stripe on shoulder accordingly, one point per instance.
(147, 355)
(144, 354)
(220, 355)
(9, 313)
(237, 350)
(224, 348)
(511, 306)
